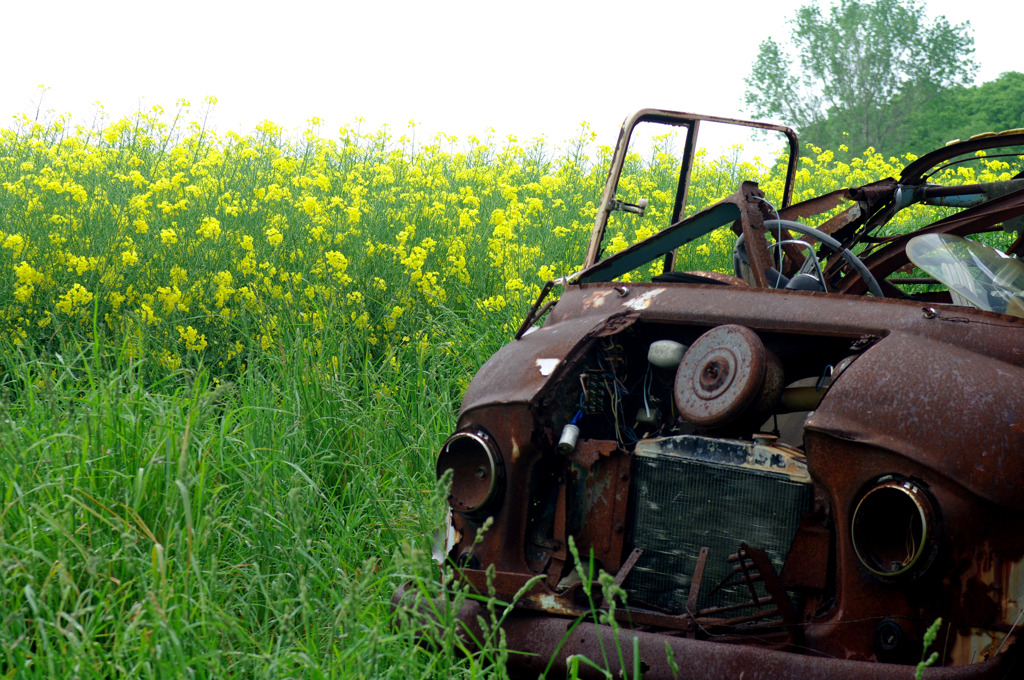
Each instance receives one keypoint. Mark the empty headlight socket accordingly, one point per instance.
(477, 471)
(895, 528)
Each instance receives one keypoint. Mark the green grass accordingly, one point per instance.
(188, 528)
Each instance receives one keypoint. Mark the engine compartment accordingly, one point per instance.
(654, 381)
(709, 424)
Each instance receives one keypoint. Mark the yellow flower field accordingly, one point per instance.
(182, 245)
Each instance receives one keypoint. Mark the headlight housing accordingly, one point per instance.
(894, 529)
(477, 471)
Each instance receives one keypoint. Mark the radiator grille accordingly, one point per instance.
(692, 492)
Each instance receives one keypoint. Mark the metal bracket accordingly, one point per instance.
(638, 208)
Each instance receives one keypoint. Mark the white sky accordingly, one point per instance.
(525, 67)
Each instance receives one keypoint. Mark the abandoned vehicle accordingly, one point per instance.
(790, 471)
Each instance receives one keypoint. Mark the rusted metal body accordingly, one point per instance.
(785, 483)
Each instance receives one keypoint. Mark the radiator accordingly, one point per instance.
(692, 492)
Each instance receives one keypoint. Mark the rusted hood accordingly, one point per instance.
(521, 369)
(944, 406)
(518, 372)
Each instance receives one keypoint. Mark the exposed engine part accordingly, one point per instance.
(567, 442)
(725, 375)
(801, 398)
(700, 492)
(647, 415)
(594, 399)
(666, 353)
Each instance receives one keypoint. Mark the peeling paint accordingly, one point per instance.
(975, 645)
(644, 301)
(551, 604)
(453, 536)
(546, 366)
(1013, 589)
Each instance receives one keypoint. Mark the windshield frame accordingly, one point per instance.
(691, 122)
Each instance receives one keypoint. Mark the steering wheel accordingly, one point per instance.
(823, 238)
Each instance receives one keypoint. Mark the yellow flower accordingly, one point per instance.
(27, 275)
(274, 237)
(83, 264)
(247, 265)
(15, 243)
(116, 299)
(337, 261)
(23, 293)
(178, 275)
(168, 236)
(169, 361)
(310, 205)
(193, 339)
(171, 298)
(224, 281)
(492, 304)
(74, 300)
(129, 257)
(246, 296)
(148, 316)
(210, 228)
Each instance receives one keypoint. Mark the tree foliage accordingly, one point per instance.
(961, 112)
(855, 64)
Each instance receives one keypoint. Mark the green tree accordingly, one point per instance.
(961, 112)
(854, 64)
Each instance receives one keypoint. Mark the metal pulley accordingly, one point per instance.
(726, 375)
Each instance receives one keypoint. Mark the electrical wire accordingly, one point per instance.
(647, 377)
